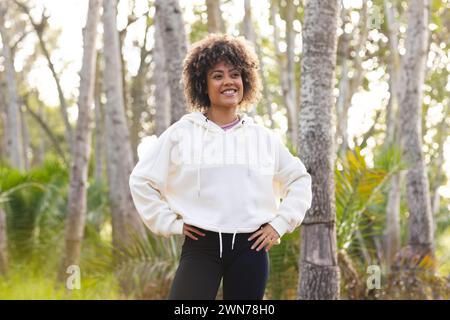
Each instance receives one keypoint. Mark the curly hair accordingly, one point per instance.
(205, 54)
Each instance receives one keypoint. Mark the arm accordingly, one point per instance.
(295, 187)
(147, 184)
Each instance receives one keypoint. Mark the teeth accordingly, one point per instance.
(229, 91)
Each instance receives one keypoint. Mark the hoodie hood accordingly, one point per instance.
(200, 119)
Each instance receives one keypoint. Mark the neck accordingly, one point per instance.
(221, 116)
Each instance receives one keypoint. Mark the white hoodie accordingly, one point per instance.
(223, 181)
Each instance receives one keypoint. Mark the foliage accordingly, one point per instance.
(146, 268)
(33, 213)
(358, 187)
(283, 265)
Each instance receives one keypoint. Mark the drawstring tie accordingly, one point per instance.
(232, 242)
(220, 242)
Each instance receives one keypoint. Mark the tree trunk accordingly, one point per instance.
(25, 140)
(14, 146)
(393, 240)
(40, 152)
(319, 270)
(138, 94)
(247, 23)
(348, 87)
(440, 176)
(411, 78)
(344, 87)
(99, 123)
(438, 163)
(266, 102)
(162, 93)
(3, 104)
(174, 41)
(265, 90)
(215, 20)
(289, 89)
(3, 244)
(286, 75)
(249, 33)
(393, 219)
(77, 205)
(126, 222)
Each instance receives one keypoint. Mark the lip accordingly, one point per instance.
(232, 94)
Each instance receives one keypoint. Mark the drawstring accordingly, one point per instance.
(232, 242)
(220, 241)
(201, 156)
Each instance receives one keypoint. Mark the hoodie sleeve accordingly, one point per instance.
(295, 190)
(147, 184)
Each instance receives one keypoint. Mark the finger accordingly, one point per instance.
(269, 246)
(254, 235)
(197, 231)
(193, 229)
(190, 235)
(258, 241)
(263, 244)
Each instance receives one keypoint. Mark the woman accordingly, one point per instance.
(216, 177)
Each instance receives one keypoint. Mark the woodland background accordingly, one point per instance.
(358, 89)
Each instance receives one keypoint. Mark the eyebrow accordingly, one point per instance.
(221, 71)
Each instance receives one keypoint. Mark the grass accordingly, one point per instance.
(443, 253)
(25, 284)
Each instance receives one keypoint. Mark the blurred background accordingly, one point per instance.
(84, 83)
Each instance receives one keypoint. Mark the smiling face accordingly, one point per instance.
(225, 86)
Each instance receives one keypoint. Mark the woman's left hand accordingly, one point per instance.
(267, 236)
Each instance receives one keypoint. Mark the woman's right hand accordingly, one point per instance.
(188, 230)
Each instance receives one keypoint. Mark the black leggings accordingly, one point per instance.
(244, 270)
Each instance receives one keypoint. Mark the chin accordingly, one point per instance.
(229, 105)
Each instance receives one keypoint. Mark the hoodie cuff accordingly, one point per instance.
(177, 227)
(280, 225)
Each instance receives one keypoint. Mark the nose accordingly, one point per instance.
(228, 79)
